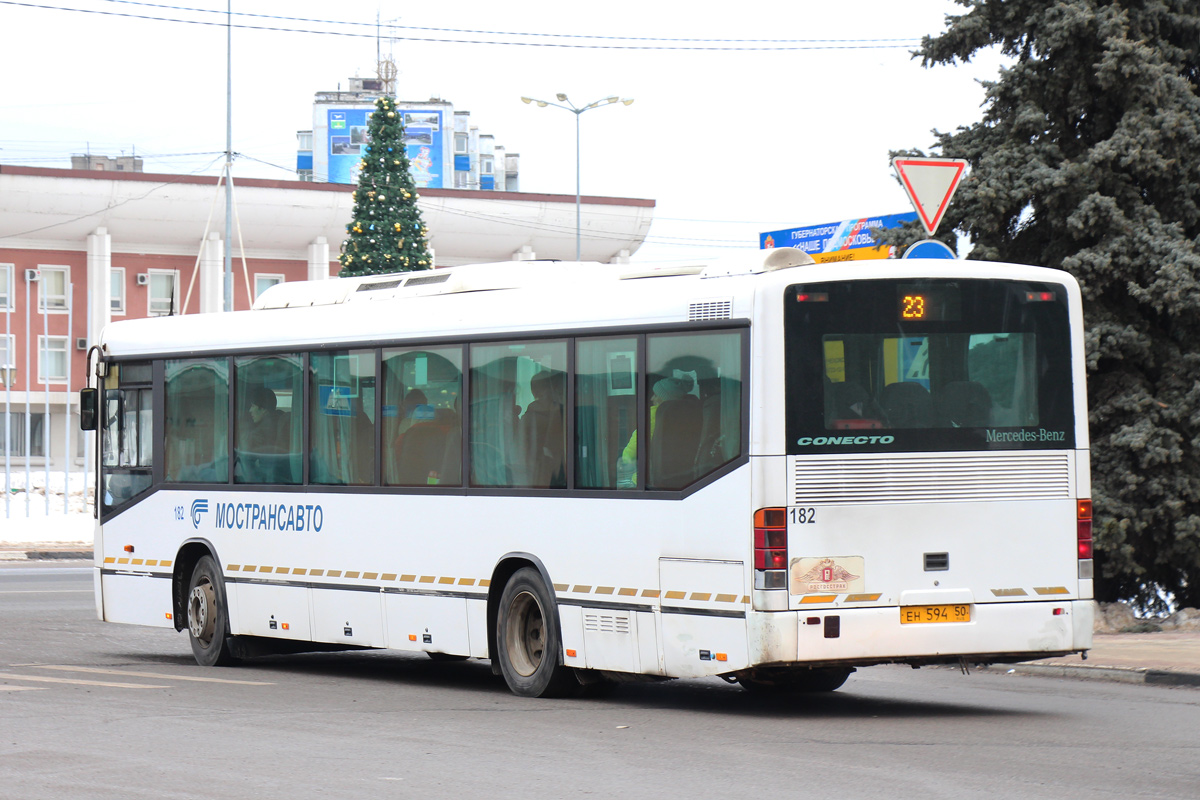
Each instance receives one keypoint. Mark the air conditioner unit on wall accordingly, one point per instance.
(143, 279)
(32, 275)
(81, 344)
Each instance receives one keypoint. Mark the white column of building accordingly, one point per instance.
(99, 282)
(212, 275)
(318, 259)
(99, 314)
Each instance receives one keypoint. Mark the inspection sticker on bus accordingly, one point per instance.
(828, 575)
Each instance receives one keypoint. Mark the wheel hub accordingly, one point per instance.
(525, 636)
(201, 619)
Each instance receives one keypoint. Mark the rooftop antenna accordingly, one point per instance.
(386, 67)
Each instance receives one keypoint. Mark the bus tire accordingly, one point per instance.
(527, 639)
(208, 616)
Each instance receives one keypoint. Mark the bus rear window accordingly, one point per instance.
(995, 373)
(999, 387)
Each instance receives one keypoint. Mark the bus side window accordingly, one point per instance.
(518, 415)
(606, 377)
(342, 433)
(422, 426)
(126, 444)
(197, 425)
(266, 425)
(694, 388)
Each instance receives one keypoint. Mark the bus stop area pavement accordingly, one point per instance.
(1167, 658)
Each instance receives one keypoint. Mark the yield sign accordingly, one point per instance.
(930, 183)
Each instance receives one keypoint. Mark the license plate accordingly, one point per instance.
(910, 615)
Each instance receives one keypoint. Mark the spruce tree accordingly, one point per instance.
(1088, 159)
(387, 234)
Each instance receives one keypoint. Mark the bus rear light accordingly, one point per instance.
(1058, 612)
(1085, 547)
(812, 297)
(770, 559)
(770, 548)
(1083, 528)
(1039, 297)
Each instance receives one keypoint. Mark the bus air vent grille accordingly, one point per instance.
(934, 478)
(605, 623)
(378, 285)
(425, 280)
(710, 309)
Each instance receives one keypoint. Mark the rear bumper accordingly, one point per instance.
(997, 633)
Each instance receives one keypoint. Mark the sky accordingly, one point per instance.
(729, 143)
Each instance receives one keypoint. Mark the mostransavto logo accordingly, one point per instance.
(198, 507)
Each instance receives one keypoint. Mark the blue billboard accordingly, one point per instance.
(422, 142)
(833, 237)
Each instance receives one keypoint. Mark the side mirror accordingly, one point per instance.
(87, 409)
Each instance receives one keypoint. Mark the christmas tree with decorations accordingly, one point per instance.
(387, 234)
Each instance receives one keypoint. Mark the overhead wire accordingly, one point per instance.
(768, 45)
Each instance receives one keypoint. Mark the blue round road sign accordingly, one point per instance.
(929, 248)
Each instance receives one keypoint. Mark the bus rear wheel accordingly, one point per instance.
(527, 639)
(208, 616)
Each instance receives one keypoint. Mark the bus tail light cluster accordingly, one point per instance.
(1083, 528)
(770, 548)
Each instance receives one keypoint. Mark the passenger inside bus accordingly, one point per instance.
(543, 430)
(267, 430)
(674, 435)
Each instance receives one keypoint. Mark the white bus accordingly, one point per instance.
(849, 464)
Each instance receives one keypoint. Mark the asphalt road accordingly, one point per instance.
(89, 710)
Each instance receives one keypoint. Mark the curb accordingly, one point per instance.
(1136, 675)
(46, 555)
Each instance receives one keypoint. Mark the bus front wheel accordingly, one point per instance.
(527, 639)
(208, 616)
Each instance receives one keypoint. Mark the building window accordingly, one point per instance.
(485, 165)
(6, 282)
(164, 292)
(52, 359)
(304, 140)
(8, 359)
(116, 290)
(13, 440)
(460, 143)
(52, 288)
(264, 282)
(462, 180)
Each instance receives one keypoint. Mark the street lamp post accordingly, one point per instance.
(577, 111)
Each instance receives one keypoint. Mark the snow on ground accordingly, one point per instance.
(25, 518)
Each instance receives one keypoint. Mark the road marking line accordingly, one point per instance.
(46, 679)
(150, 675)
(20, 688)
